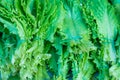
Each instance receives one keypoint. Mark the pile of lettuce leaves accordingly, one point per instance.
(59, 39)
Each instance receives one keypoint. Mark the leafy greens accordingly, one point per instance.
(59, 40)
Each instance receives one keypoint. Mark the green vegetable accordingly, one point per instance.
(59, 40)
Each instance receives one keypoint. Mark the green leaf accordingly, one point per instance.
(107, 27)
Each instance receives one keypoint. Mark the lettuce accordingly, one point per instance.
(59, 40)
